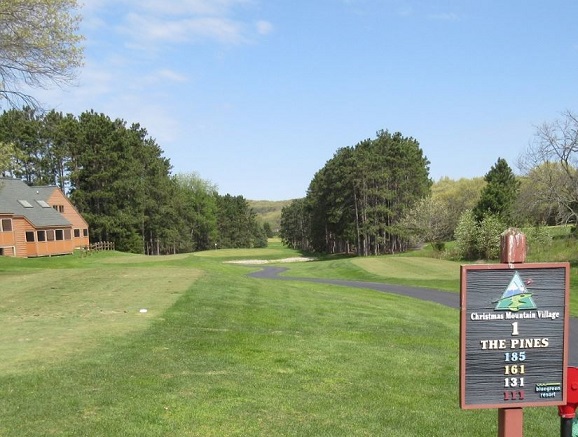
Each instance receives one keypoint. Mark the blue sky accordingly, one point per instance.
(256, 95)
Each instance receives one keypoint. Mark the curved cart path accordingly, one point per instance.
(442, 297)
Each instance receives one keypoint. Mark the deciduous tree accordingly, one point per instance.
(39, 46)
(478, 239)
(199, 209)
(551, 160)
(429, 221)
(456, 197)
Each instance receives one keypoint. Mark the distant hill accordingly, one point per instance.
(269, 211)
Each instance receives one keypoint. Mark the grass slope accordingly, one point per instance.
(269, 211)
(221, 354)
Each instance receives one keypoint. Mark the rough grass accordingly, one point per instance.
(269, 211)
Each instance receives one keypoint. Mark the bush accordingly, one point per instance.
(478, 240)
(538, 239)
(466, 236)
(439, 246)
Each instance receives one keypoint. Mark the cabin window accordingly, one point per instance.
(41, 235)
(85, 232)
(50, 235)
(6, 225)
(67, 234)
(29, 236)
(77, 233)
(59, 234)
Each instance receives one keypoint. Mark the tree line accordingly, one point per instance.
(117, 177)
(356, 202)
(376, 197)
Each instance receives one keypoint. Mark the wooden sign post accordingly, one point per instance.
(513, 335)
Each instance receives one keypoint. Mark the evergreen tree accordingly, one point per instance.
(359, 198)
(10, 156)
(58, 132)
(330, 204)
(118, 181)
(237, 223)
(21, 128)
(268, 230)
(499, 194)
(294, 230)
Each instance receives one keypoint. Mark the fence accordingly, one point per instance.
(97, 247)
(102, 245)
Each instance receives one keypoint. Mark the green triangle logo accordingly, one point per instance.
(516, 297)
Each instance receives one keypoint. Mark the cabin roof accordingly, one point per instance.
(17, 198)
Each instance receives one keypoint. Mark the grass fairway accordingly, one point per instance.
(49, 315)
(414, 271)
(221, 354)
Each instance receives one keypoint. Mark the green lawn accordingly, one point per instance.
(414, 271)
(221, 354)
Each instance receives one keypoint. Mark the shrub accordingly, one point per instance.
(478, 239)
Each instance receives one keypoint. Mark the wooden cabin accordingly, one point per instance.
(38, 221)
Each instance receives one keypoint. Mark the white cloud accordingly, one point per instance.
(264, 27)
(157, 81)
(171, 76)
(187, 7)
(167, 7)
(172, 21)
(158, 121)
(93, 82)
(146, 28)
(148, 22)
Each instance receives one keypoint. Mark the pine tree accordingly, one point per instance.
(359, 198)
(499, 194)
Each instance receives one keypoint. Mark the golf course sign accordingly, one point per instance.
(513, 335)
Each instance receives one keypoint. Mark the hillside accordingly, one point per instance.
(269, 211)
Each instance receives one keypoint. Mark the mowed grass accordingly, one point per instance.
(221, 354)
(427, 271)
(48, 315)
(415, 271)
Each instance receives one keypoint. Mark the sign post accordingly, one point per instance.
(513, 335)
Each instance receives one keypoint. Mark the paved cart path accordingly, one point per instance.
(442, 297)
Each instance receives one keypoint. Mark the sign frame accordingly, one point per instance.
(501, 348)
